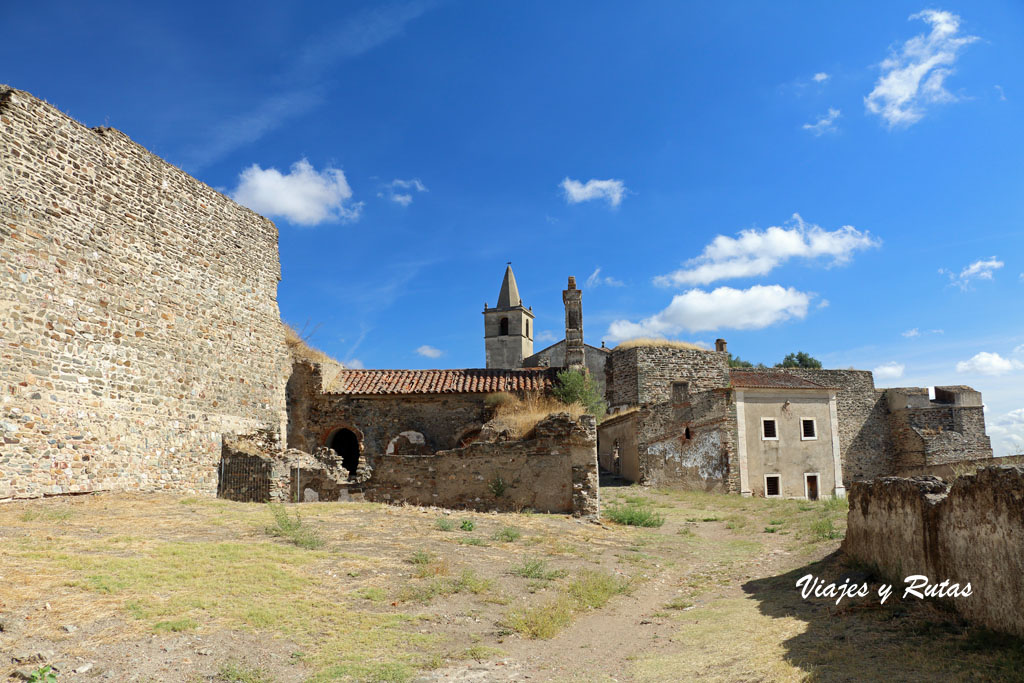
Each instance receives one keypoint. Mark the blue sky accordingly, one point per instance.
(840, 179)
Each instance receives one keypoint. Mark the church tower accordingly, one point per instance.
(508, 327)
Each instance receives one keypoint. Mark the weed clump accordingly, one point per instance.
(444, 524)
(634, 514)
(537, 569)
(507, 534)
(293, 529)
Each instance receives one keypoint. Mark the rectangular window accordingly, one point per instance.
(768, 429)
(772, 485)
(808, 429)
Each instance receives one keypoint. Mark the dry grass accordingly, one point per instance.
(651, 341)
(521, 415)
(300, 348)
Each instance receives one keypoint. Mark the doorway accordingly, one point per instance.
(345, 443)
(811, 486)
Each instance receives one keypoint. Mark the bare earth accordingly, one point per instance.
(161, 588)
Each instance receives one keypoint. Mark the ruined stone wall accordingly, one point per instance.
(138, 313)
(865, 445)
(971, 531)
(442, 419)
(938, 434)
(554, 471)
(644, 374)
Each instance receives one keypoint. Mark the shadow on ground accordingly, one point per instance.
(862, 640)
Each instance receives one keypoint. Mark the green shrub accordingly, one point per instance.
(497, 486)
(294, 530)
(634, 515)
(507, 534)
(43, 674)
(444, 524)
(537, 569)
(467, 525)
(823, 529)
(579, 388)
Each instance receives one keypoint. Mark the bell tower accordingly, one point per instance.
(508, 327)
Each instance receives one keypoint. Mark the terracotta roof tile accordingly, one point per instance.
(462, 381)
(768, 379)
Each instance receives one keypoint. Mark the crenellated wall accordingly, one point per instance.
(138, 313)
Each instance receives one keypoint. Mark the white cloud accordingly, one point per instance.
(596, 280)
(354, 364)
(393, 190)
(982, 269)
(890, 370)
(911, 333)
(546, 336)
(913, 77)
(1019, 349)
(611, 190)
(429, 351)
(698, 310)
(1002, 95)
(824, 303)
(1007, 432)
(303, 195)
(758, 252)
(821, 77)
(825, 124)
(985, 363)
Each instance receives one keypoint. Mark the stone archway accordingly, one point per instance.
(345, 443)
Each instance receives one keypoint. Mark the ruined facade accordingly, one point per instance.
(683, 416)
(138, 313)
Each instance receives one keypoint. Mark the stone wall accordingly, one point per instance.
(971, 531)
(138, 313)
(865, 445)
(644, 374)
(938, 434)
(553, 471)
(554, 357)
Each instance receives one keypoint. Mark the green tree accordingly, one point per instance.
(800, 360)
(737, 362)
(578, 387)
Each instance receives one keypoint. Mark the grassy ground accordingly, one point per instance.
(161, 588)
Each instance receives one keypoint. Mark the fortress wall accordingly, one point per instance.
(644, 374)
(138, 313)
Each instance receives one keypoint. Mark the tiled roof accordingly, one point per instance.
(463, 381)
(768, 379)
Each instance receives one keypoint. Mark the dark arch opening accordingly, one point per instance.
(504, 327)
(345, 443)
(687, 432)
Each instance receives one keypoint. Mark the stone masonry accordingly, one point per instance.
(970, 531)
(138, 313)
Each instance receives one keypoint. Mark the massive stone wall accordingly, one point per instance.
(865, 444)
(644, 374)
(138, 313)
(938, 434)
(555, 470)
(972, 531)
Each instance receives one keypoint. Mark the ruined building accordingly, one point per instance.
(683, 416)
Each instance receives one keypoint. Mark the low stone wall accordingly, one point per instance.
(951, 470)
(970, 531)
(555, 470)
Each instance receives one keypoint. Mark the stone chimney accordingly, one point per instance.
(720, 345)
(574, 351)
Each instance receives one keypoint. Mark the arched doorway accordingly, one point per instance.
(345, 443)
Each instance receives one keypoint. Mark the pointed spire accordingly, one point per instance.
(509, 295)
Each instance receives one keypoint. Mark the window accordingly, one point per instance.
(504, 327)
(808, 429)
(769, 431)
(527, 329)
(688, 437)
(773, 485)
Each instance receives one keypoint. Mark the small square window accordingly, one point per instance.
(808, 429)
(768, 429)
(772, 485)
